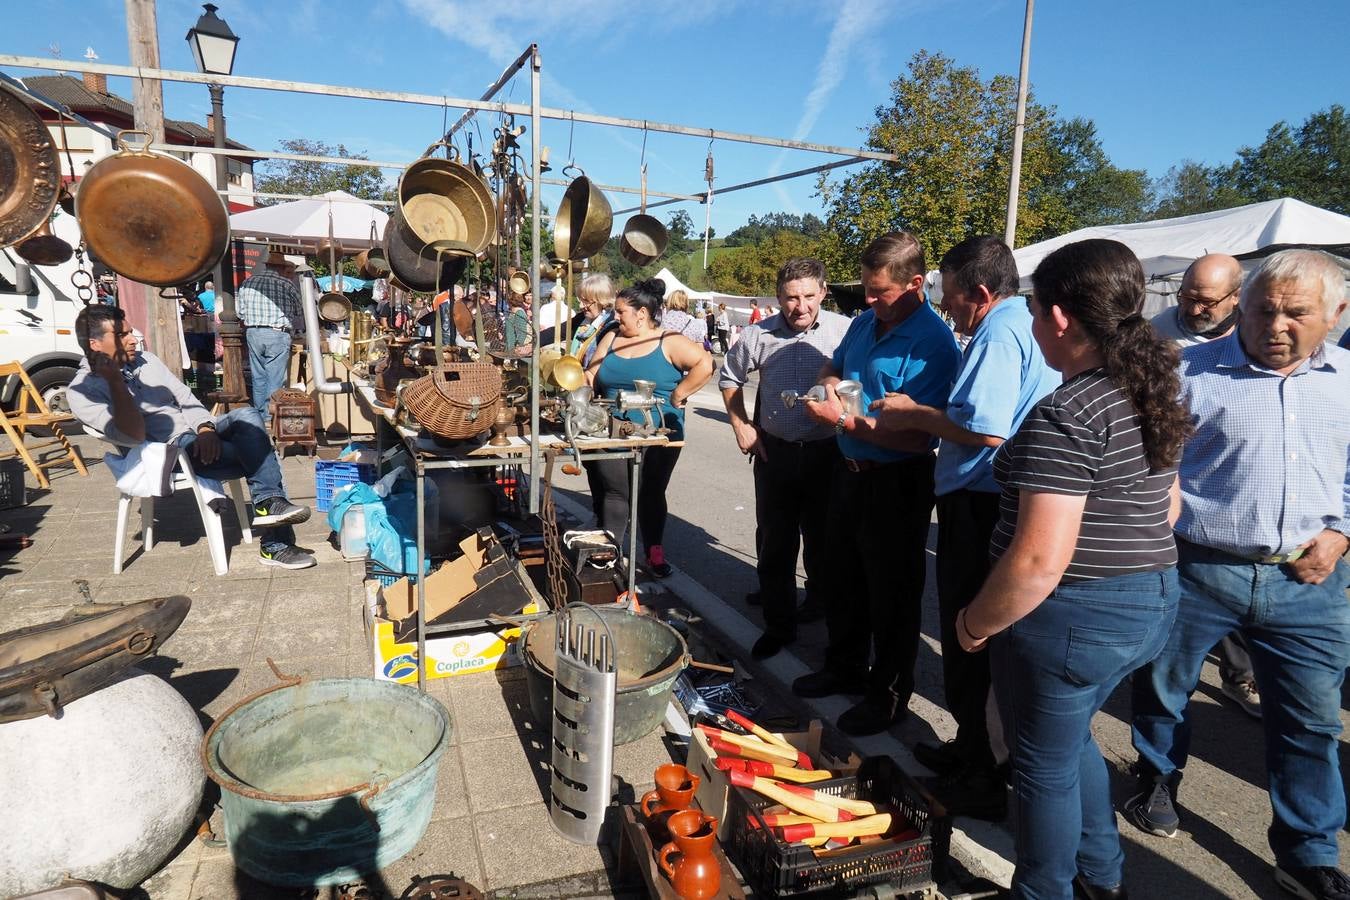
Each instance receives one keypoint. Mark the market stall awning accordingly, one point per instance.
(306, 221)
(348, 283)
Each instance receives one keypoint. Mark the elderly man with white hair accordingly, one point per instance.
(1265, 520)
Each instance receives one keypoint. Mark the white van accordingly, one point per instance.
(38, 305)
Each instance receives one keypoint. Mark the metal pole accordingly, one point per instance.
(703, 198)
(231, 334)
(1015, 179)
(507, 74)
(535, 458)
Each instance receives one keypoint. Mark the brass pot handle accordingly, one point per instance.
(128, 146)
(451, 151)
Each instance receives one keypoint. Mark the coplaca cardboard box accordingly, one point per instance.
(713, 785)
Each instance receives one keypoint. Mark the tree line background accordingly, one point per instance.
(951, 130)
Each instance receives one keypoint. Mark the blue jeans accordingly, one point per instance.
(1052, 671)
(269, 361)
(1299, 639)
(246, 451)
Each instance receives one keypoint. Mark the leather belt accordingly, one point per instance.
(1278, 559)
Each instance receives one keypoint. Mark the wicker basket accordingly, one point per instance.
(457, 401)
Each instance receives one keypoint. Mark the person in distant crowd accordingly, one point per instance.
(445, 303)
(676, 318)
(794, 456)
(268, 303)
(710, 325)
(130, 396)
(199, 338)
(641, 350)
(883, 497)
(207, 298)
(1084, 589)
(517, 333)
(723, 327)
(755, 312)
(1003, 374)
(1207, 308)
(1265, 520)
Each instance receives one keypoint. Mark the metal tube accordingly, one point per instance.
(309, 304)
(632, 524)
(507, 74)
(536, 173)
(61, 108)
(703, 197)
(1020, 126)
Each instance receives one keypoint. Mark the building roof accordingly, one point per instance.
(98, 106)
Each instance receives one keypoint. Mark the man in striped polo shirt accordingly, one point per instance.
(1265, 520)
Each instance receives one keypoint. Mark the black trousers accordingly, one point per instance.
(658, 463)
(879, 536)
(966, 521)
(792, 502)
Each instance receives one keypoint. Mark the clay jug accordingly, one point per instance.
(675, 786)
(695, 875)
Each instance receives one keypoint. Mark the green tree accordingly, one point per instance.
(753, 269)
(1083, 186)
(1310, 163)
(1193, 187)
(290, 176)
(757, 228)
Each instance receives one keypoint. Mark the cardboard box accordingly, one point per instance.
(389, 608)
(713, 785)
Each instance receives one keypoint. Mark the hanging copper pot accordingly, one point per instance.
(444, 200)
(151, 217)
(413, 270)
(30, 171)
(644, 237)
(584, 219)
(44, 248)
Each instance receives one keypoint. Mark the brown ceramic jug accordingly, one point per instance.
(675, 786)
(696, 874)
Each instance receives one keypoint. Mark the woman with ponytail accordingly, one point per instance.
(1085, 587)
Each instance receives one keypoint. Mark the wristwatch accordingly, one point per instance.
(839, 425)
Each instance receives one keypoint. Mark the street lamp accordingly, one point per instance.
(213, 45)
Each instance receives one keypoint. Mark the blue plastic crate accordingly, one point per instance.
(329, 475)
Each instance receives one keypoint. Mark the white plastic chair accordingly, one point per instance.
(183, 478)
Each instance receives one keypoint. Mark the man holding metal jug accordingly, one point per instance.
(882, 498)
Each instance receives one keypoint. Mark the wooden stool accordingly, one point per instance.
(17, 423)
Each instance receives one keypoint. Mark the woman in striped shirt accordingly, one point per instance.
(1085, 589)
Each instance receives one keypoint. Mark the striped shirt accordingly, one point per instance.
(1267, 467)
(267, 300)
(1084, 440)
(786, 360)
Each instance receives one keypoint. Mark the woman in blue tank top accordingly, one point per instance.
(641, 351)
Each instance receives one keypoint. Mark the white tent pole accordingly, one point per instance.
(1015, 179)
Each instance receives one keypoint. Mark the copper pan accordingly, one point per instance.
(30, 172)
(644, 237)
(44, 248)
(151, 217)
(584, 219)
(444, 200)
(410, 268)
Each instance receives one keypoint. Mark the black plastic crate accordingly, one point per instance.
(780, 869)
(13, 489)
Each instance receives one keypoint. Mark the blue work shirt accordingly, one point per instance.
(1002, 376)
(918, 357)
(1266, 469)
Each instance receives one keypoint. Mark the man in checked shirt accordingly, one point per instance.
(1265, 514)
(269, 304)
(793, 455)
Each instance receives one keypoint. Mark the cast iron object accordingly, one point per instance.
(440, 887)
(412, 270)
(584, 681)
(30, 171)
(325, 780)
(584, 220)
(649, 655)
(45, 667)
(152, 218)
(44, 248)
(444, 200)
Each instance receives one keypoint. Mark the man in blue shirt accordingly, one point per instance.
(1002, 376)
(1265, 520)
(883, 498)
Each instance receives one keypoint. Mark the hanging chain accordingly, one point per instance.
(548, 515)
(81, 279)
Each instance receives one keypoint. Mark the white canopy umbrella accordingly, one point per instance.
(307, 221)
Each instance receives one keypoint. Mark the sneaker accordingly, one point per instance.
(656, 561)
(1245, 695)
(1314, 882)
(288, 557)
(278, 511)
(977, 793)
(1151, 809)
(1083, 890)
(869, 717)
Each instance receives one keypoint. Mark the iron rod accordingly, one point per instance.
(824, 167)
(507, 74)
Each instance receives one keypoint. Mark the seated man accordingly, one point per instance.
(132, 397)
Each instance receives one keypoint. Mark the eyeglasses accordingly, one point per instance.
(1192, 300)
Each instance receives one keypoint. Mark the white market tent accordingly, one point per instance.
(738, 308)
(306, 221)
(1167, 246)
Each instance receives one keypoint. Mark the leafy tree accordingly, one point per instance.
(289, 176)
(1082, 185)
(757, 228)
(753, 269)
(1311, 162)
(1193, 187)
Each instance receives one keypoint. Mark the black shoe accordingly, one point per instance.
(1314, 882)
(827, 684)
(810, 611)
(278, 511)
(656, 562)
(287, 557)
(869, 717)
(940, 759)
(1085, 891)
(768, 645)
(977, 793)
(1151, 809)
(752, 598)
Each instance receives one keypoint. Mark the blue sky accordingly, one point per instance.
(1164, 81)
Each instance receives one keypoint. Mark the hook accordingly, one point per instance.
(570, 132)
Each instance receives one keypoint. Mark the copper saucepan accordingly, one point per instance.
(584, 219)
(445, 200)
(644, 237)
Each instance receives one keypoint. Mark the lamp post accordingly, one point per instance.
(213, 45)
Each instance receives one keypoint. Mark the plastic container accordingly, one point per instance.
(352, 540)
(780, 869)
(13, 489)
(331, 474)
